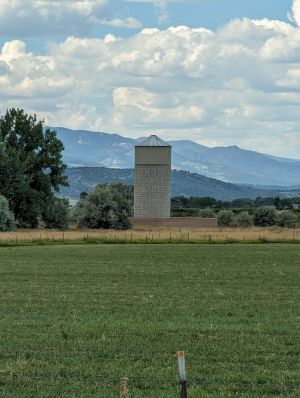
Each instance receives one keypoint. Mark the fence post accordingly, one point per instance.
(182, 375)
(124, 389)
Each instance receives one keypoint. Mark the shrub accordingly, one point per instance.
(244, 219)
(7, 219)
(107, 206)
(264, 217)
(286, 219)
(226, 218)
(56, 214)
(207, 213)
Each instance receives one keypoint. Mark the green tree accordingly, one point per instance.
(179, 202)
(56, 215)
(267, 201)
(107, 206)
(264, 217)
(202, 202)
(31, 166)
(7, 220)
(277, 203)
(244, 219)
(242, 203)
(226, 218)
(286, 204)
(286, 219)
(207, 213)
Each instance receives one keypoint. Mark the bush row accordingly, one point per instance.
(261, 217)
(56, 215)
(109, 206)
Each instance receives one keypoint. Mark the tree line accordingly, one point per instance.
(196, 202)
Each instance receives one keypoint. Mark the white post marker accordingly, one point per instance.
(182, 374)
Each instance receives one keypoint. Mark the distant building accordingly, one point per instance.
(152, 185)
(152, 189)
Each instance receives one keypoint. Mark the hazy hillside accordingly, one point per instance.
(85, 148)
(183, 183)
(231, 164)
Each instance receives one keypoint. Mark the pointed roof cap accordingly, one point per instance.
(153, 140)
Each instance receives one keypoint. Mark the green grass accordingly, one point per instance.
(76, 319)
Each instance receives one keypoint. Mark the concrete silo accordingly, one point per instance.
(152, 185)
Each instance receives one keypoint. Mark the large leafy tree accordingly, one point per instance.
(264, 217)
(107, 206)
(31, 166)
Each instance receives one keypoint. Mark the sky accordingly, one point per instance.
(219, 72)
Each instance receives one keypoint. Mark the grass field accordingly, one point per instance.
(74, 320)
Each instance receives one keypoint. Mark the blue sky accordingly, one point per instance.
(220, 72)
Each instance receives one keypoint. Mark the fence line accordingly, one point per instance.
(163, 236)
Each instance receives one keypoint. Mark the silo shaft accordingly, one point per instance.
(152, 187)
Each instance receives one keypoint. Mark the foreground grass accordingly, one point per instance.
(76, 319)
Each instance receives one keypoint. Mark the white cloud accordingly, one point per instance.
(295, 13)
(44, 17)
(29, 76)
(138, 107)
(238, 85)
(291, 79)
(13, 50)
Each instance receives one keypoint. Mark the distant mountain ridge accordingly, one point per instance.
(231, 164)
(183, 183)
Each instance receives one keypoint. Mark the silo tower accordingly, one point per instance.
(152, 185)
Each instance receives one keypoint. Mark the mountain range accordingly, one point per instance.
(229, 164)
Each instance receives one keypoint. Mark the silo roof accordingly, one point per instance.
(153, 140)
